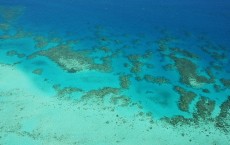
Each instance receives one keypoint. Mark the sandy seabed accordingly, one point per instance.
(31, 116)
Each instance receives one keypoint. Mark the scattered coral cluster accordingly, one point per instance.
(200, 106)
(124, 81)
(191, 86)
(186, 97)
(15, 53)
(156, 80)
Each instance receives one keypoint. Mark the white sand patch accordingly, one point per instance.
(12, 78)
(73, 64)
(193, 82)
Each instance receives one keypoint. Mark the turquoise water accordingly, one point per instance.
(103, 72)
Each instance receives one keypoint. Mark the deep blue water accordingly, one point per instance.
(204, 16)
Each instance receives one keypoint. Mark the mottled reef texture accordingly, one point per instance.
(11, 13)
(184, 53)
(223, 119)
(40, 41)
(38, 71)
(15, 53)
(188, 72)
(186, 97)
(225, 82)
(136, 64)
(124, 81)
(203, 113)
(74, 61)
(101, 93)
(204, 108)
(156, 80)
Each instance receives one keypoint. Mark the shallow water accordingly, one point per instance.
(114, 72)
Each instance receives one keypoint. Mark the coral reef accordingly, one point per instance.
(40, 41)
(11, 13)
(121, 100)
(74, 61)
(188, 72)
(178, 120)
(210, 74)
(4, 26)
(14, 52)
(204, 108)
(184, 53)
(205, 90)
(148, 53)
(138, 78)
(225, 82)
(223, 119)
(217, 87)
(124, 81)
(186, 97)
(137, 67)
(168, 67)
(136, 63)
(105, 49)
(37, 71)
(157, 80)
(218, 56)
(148, 65)
(100, 94)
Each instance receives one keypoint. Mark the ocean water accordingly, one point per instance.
(107, 72)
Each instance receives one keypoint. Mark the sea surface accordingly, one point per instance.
(106, 72)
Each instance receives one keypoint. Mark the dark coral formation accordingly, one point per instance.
(188, 72)
(136, 63)
(15, 53)
(210, 74)
(124, 81)
(138, 78)
(150, 66)
(168, 67)
(38, 71)
(178, 120)
(148, 53)
(218, 56)
(157, 80)
(217, 52)
(40, 42)
(121, 100)
(137, 67)
(105, 49)
(11, 53)
(100, 93)
(223, 119)
(204, 108)
(225, 82)
(205, 90)
(11, 13)
(184, 53)
(66, 91)
(217, 87)
(74, 61)
(186, 97)
(4, 26)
